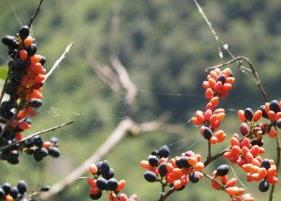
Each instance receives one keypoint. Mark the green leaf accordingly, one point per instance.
(3, 72)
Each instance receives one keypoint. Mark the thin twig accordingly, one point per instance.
(35, 134)
(35, 13)
(58, 61)
(166, 195)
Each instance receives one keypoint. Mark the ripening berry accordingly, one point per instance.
(162, 169)
(14, 192)
(24, 32)
(164, 151)
(263, 186)
(22, 187)
(9, 198)
(121, 185)
(28, 41)
(244, 129)
(222, 170)
(153, 160)
(193, 177)
(102, 183)
(96, 196)
(207, 133)
(112, 184)
(234, 191)
(241, 115)
(274, 106)
(150, 176)
(23, 55)
(248, 112)
(104, 168)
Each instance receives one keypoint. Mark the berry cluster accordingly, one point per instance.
(13, 193)
(23, 90)
(218, 84)
(103, 180)
(220, 181)
(175, 172)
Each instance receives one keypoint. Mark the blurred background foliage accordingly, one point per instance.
(165, 46)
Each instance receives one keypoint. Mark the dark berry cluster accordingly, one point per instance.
(103, 180)
(175, 172)
(13, 193)
(23, 96)
(40, 149)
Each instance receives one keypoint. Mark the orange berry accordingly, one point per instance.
(232, 182)
(214, 101)
(92, 182)
(28, 41)
(213, 140)
(9, 198)
(220, 135)
(192, 160)
(177, 184)
(205, 85)
(226, 87)
(121, 185)
(271, 115)
(209, 93)
(93, 169)
(23, 55)
(234, 191)
(19, 136)
(241, 115)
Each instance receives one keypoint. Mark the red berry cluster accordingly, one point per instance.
(23, 92)
(218, 84)
(103, 180)
(220, 181)
(177, 171)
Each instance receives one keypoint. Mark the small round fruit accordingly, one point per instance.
(150, 176)
(222, 170)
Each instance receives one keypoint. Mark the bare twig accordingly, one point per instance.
(35, 134)
(165, 195)
(125, 80)
(35, 13)
(116, 77)
(58, 61)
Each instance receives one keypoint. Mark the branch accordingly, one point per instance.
(104, 73)
(35, 13)
(116, 77)
(125, 80)
(34, 134)
(58, 61)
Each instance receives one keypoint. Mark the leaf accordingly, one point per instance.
(3, 72)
